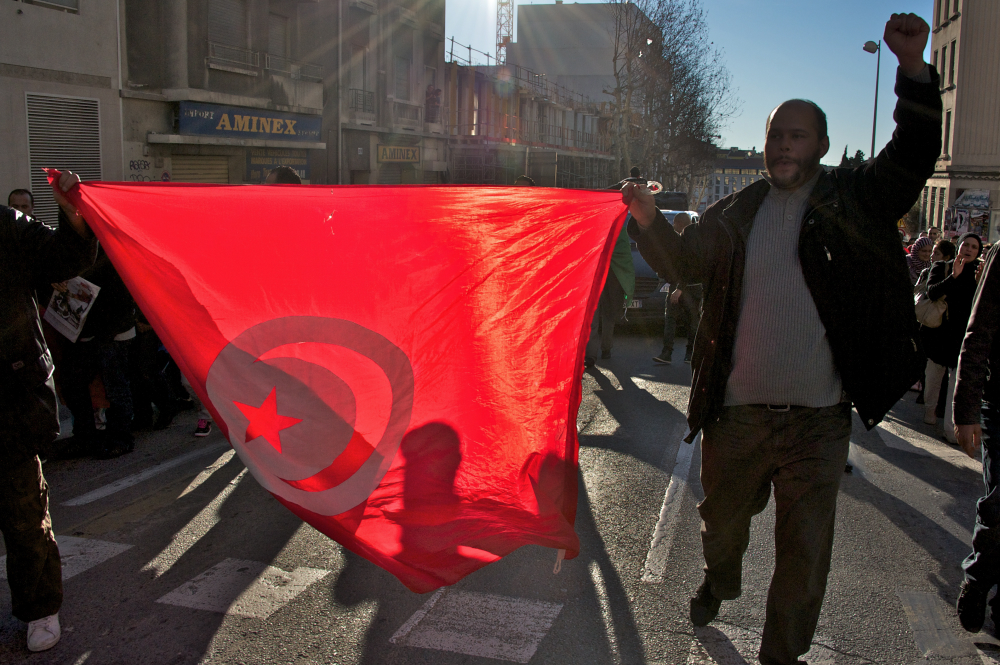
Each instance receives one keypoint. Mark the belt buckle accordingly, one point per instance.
(779, 408)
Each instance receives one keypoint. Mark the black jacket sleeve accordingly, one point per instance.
(680, 257)
(53, 256)
(977, 347)
(891, 182)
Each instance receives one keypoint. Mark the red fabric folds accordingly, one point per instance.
(399, 366)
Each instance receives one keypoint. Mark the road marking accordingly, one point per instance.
(724, 644)
(897, 442)
(146, 474)
(856, 460)
(663, 533)
(207, 473)
(479, 624)
(610, 376)
(931, 631)
(991, 657)
(601, 590)
(193, 531)
(78, 555)
(243, 588)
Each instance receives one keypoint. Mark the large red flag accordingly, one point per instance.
(399, 366)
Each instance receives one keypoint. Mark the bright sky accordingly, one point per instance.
(775, 50)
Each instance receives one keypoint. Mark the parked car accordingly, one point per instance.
(648, 305)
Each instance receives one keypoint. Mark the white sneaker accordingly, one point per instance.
(43, 633)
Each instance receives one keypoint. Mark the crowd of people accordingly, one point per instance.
(805, 300)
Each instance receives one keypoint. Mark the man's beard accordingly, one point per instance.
(803, 166)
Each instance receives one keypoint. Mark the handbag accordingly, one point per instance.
(930, 313)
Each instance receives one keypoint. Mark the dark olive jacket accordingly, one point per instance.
(851, 258)
(31, 254)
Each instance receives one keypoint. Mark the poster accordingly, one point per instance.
(69, 305)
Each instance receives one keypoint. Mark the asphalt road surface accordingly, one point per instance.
(173, 554)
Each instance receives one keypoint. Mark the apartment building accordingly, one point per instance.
(733, 170)
(59, 101)
(964, 192)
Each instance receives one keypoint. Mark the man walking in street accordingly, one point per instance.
(31, 254)
(683, 299)
(978, 392)
(807, 309)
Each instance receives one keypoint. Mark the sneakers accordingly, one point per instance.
(204, 428)
(971, 606)
(704, 606)
(43, 633)
(662, 359)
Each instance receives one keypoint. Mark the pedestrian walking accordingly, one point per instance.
(955, 281)
(683, 300)
(30, 254)
(977, 395)
(808, 308)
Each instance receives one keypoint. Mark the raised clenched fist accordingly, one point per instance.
(906, 36)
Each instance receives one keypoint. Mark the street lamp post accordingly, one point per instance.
(876, 48)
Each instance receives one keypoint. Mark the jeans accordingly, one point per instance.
(801, 453)
(610, 308)
(982, 566)
(34, 571)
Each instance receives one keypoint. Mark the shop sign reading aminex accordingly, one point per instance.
(200, 119)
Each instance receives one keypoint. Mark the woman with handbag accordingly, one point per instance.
(955, 281)
(943, 251)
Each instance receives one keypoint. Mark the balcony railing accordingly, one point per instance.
(297, 70)
(233, 56)
(361, 100)
(407, 115)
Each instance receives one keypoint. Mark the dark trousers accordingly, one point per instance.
(147, 379)
(34, 572)
(801, 453)
(81, 363)
(610, 308)
(982, 566)
(689, 307)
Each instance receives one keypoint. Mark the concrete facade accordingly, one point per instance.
(233, 58)
(59, 65)
(966, 51)
(572, 44)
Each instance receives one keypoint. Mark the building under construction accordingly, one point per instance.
(505, 120)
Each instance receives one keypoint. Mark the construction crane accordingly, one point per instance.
(505, 28)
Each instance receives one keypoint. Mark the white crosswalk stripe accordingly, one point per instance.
(243, 588)
(723, 644)
(78, 555)
(479, 624)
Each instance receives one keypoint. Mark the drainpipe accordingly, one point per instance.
(340, 92)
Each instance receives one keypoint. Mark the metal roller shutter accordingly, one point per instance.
(63, 133)
(227, 22)
(200, 168)
(390, 174)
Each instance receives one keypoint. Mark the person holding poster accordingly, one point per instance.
(30, 254)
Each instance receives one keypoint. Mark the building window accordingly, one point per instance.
(946, 144)
(51, 145)
(956, 8)
(277, 35)
(935, 61)
(227, 22)
(939, 9)
(944, 58)
(951, 66)
(402, 78)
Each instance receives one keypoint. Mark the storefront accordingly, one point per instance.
(970, 213)
(217, 143)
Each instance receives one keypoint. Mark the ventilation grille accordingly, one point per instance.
(63, 133)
